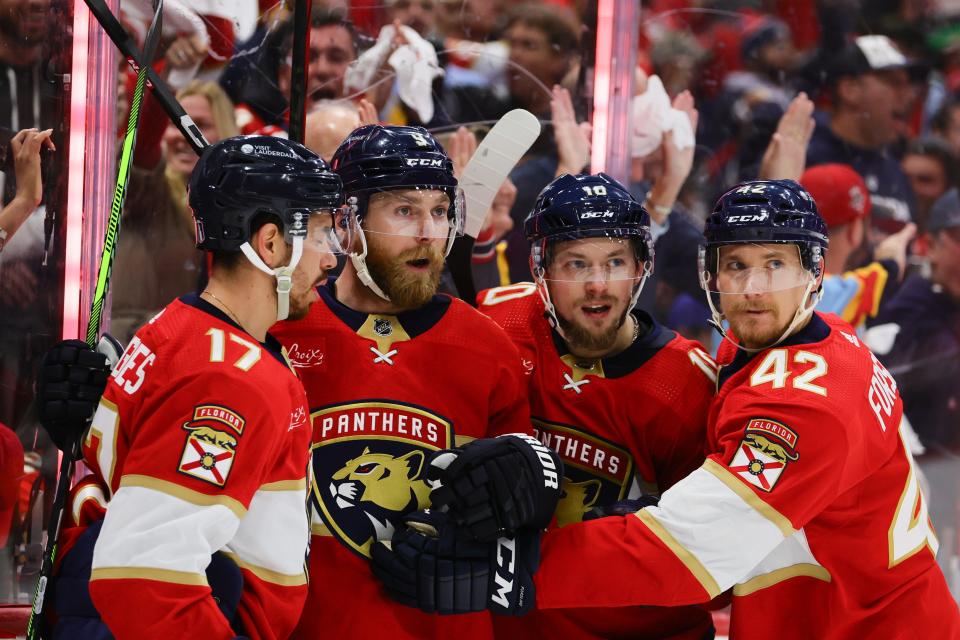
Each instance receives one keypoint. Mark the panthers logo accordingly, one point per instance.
(576, 499)
(369, 457)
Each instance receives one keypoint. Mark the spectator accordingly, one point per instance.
(24, 149)
(853, 292)
(871, 102)
(946, 123)
(922, 345)
(930, 165)
(328, 124)
(156, 256)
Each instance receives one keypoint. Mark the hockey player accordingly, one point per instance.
(808, 505)
(200, 445)
(622, 399)
(426, 372)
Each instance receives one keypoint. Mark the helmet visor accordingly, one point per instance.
(592, 259)
(731, 276)
(327, 230)
(415, 212)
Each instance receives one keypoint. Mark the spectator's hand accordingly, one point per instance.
(462, 146)
(368, 112)
(499, 218)
(186, 52)
(894, 247)
(786, 155)
(573, 139)
(677, 164)
(26, 147)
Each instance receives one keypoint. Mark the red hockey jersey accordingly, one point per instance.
(809, 508)
(386, 391)
(630, 424)
(200, 444)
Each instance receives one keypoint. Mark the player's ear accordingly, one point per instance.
(269, 244)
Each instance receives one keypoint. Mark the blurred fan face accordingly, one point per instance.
(25, 20)
(882, 100)
(535, 62)
(420, 15)
(331, 51)
(944, 255)
(591, 282)
(180, 156)
(927, 179)
(760, 287)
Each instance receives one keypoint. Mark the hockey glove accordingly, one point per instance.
(428, 566)
(495, 486)
(622, 507)
(71, 380)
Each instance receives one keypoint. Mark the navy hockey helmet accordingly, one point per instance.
(586, 206)
(767, 211)
(238, 178)
(382, 158)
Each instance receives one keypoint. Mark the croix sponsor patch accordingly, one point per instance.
(764, 453)
(209, 450)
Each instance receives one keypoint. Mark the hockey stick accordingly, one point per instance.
(490, 165)
(93, 325)
(128, 47)
(298, 72)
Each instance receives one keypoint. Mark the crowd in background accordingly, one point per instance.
(858, 101)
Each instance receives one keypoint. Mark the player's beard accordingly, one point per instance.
(759, 332)
(592, 339)
(405, 288)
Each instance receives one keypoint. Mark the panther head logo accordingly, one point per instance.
(382, 486)
(576, 499)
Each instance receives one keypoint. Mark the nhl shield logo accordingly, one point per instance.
(369, 462)
(382, 327)
(764, 453)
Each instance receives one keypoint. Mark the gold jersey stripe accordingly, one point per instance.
(285, 485)
(686, 557)
(149, 573)
(779, 575)
(269, 575)
(320, 529)
(187, 495)
(459, 440)
(747, 495)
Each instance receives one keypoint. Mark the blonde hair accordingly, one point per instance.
(224, 117)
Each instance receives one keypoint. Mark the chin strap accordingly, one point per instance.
(284, 275)
(359, 261)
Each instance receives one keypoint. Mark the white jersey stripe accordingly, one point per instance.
(173, 535)
(739, 535)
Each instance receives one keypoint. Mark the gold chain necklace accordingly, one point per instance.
(226, 307)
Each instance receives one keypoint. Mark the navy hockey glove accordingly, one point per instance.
(622, 507)
(496, 486)
(428, 566)
(71, 380)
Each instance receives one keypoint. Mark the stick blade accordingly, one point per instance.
(497, 155)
